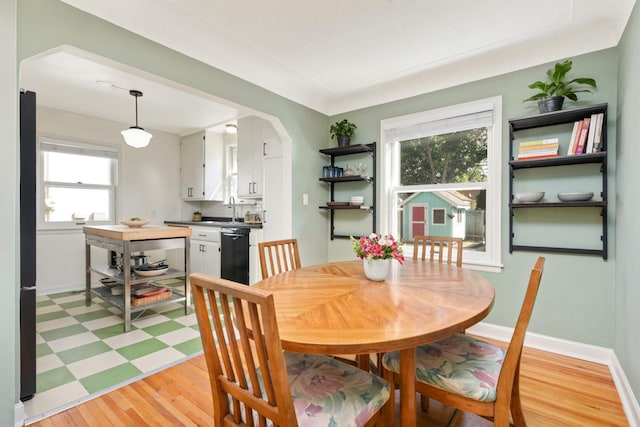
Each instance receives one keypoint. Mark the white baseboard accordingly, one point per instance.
(19, 415)
(588, 352)
(629, 402)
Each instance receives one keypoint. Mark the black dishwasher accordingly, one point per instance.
(234, 254)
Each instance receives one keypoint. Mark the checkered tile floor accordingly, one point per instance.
(83, 351)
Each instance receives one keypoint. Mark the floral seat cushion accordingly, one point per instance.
(459, 364)
(327, 392)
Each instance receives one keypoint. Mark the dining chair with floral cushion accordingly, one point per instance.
(473, 375)
(255, 382)
(278, 256)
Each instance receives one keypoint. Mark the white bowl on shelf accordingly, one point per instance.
(530, 196)
(575, 197)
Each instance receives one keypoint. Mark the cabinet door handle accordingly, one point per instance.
(249, 188)
(204, 248)
(264, 148)
(264, 217)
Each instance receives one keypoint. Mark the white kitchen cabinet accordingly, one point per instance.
(273, 215)
(201, 166)
(257, 140)
(205, 250)
(255, 273)
(249, 158)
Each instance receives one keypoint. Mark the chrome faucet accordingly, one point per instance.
(232, 202)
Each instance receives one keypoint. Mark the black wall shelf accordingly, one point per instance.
(332, 181)
(551, 119)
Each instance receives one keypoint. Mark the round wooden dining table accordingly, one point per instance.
(334, 309)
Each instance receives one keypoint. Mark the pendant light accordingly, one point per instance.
(135, 136)
(230, 128)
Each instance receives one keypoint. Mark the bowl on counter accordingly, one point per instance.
(530, 196)
(134, 223)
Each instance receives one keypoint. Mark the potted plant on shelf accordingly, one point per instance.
(197, 216)
(552, 92)
(343, 131)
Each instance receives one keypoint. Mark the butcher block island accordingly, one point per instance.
(140, 289)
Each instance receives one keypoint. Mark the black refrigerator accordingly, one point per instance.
(27, 245)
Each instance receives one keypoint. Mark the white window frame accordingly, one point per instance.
(71, 146)
(491, 258)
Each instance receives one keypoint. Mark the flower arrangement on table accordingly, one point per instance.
(377, 246)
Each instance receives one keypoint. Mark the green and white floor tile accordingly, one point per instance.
(83, 351)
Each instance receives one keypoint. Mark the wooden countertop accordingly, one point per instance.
(147, 232)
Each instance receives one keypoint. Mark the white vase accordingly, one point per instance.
(376, 269)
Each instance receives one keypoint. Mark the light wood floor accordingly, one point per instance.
(556, 391)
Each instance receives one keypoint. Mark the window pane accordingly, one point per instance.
(446, 158)
(74, 168)
(77, 204)
(444, 213)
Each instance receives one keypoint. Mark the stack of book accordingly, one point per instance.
(586, 137)
(538, 149)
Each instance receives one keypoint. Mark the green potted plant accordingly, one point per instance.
(197, 216)
(552, 92)
(343, 131)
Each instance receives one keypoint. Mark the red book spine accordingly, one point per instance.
(583, 135)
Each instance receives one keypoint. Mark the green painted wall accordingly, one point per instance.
(47, 24)
(576, 301)
(9, 368)
(627, 337)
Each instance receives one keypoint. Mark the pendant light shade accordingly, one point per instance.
(135, 136)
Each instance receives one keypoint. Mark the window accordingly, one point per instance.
(78, 183)
(441, 176)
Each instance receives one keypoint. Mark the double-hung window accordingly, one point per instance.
(78, 184)
(440, 176)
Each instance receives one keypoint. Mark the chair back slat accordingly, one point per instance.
(278, 256)
(243, 352)
(511, 364)
(436, 246)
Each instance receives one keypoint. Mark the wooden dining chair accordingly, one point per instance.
(473, 375)
(437, 245)
(255, 382)
(278, 256)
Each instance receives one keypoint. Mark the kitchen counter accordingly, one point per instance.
(221, 224)
(126, 241)
(122, 232)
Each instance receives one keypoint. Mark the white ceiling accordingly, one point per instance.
(330, 55)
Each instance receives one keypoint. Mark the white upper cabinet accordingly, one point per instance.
(257, 140)
(201, 166)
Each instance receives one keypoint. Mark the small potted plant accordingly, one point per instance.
(552, 92)
(197, 216)
(343, 131)
(376, 251)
